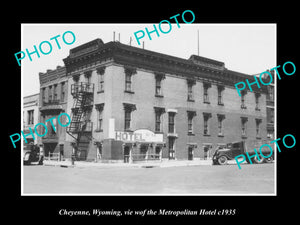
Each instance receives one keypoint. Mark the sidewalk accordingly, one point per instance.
(149, 164)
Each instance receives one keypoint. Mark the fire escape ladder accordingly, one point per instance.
(83, 95)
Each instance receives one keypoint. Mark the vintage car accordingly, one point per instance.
(231, 150)
(32, 155)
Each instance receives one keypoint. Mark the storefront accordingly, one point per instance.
(140, 145)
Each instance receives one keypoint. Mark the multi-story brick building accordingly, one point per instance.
(53, 101)
(127, 103)
(30, 115)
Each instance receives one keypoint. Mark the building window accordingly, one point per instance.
(258, 122)
(127, 119)
(51, 130)
(270, 115)
(99, 108)
(30, 117)
(88, 75)
(244, 126)
(158, 87)
(171, 122)
(206, 86)
(50, 94)
(220, 95)
(43, 95)
(190, 94)
(190, 115)
(221, 117)
(270, 96)
(171, 148)
(128, 79)
(206, 117)
(100, 72)
(128, 108)
(55, 92)
(243, 94)
(158, 84)
(257, 96)
(63, 93)
(158, 115)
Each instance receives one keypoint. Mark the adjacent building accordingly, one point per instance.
(30, 116)
(128, 103)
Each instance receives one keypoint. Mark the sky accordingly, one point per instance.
(245, 48)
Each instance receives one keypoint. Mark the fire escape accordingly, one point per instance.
(80, 127)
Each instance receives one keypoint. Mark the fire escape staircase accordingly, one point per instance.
(83, 97)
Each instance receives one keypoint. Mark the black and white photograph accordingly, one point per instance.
(178, 114)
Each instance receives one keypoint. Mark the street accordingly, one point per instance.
(201, 179)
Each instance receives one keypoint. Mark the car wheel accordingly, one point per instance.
(269, 160)
(258, 160)
(222, 160)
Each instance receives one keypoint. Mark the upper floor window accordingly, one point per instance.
(158, 84)
(63, 92)
(158, 118)
(220, 95)
(171, 122)
(129, 72)
(257, 96)
(55, 92)
(190, 116)
(244, 126)
(206, 86)
(88, 76)
(99, 108)
(190, 94)
(100, 72)
(30, 117)
(50, 94)
(257, 123)
(221, 117)
(128, 108)
(243, 94)
(206, 117)
(43, 95)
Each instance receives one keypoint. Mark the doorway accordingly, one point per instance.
(190, 153)
(126, 154)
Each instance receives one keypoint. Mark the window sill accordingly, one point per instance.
(207, 135)
(243, 107)
(98, 92)
(101, 130)
(129, 92)
(221, 104)
(158, 132)
(258, 137)
(257, 109)
(191, 134)
(190, 100)
(244, 137)
(220, 135)
(159, 96)
(205, 102)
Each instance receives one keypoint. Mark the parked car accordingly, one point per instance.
(32, 154)
(231, 150)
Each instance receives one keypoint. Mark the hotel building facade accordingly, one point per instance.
(128, 103)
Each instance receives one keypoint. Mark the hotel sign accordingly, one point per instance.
(141, 135)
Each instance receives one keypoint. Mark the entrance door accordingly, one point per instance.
(126, 154)
(49, 148)
(190, 153)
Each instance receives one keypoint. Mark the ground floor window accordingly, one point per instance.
(171, 148)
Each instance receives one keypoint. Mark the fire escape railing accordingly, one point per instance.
(83, 94)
